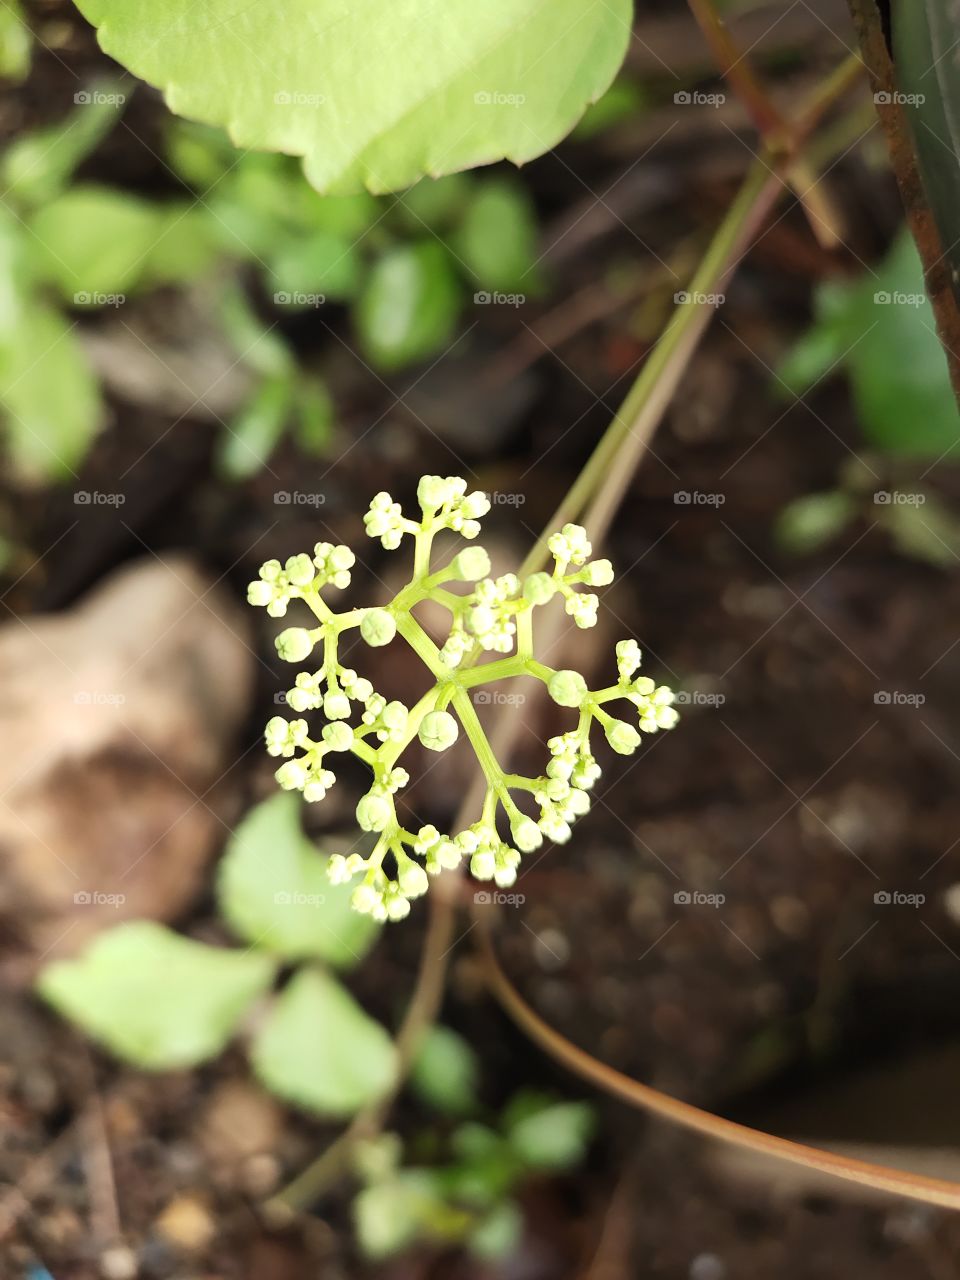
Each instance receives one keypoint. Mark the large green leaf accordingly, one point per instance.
(273, 890)
(318, 1049)
(375, 93)
(154, 998)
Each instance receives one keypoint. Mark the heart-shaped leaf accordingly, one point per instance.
(154, 998)
(319, 1049)
(273, 890)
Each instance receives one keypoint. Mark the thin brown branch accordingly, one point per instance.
(897, 1182)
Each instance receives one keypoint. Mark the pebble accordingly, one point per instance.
(187, 1223)
(707, 1266)
(260, 1175)
(118, 1263)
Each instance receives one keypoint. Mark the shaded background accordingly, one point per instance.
(815, 766)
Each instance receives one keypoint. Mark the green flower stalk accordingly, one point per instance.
(494, 616)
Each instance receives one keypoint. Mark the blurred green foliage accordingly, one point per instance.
(880, 331)
(406, 266)
(461, 1190)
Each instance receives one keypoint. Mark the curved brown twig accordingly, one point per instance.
(896, 1182)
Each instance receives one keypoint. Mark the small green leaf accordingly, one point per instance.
(49, 392)
(35, 167)
(926, 530)
(408, 308)
(16, 42)
(318, 263)
(255, 431)
(498, 1233)
(92, 240)
(158, 1000)
(434, 202)
(812, 521)
(318, 1049)
(820, 351)
(378, 94)
(391, 1215)
(272, 889)
(184, 247)
(551, 1137)
(445, 1072)
(498, 238)
(313, 426)
(625, 99)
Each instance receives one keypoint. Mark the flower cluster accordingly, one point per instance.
(488, 615)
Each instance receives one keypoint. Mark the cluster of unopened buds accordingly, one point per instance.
(488, 616)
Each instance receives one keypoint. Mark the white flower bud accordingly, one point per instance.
(438, 731)
(338, 736)
(567, 688)
(336, 706)
(365, 899)
(483, 864)
(412, 879)
(293, 775)
(526, 834)
(433, 492)
(374, 812)
(470, 565)
(377, 627)
(259, 593)
(299, 570)
(539, 588)
(598, 574)
(294, 644)
(622, 737)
